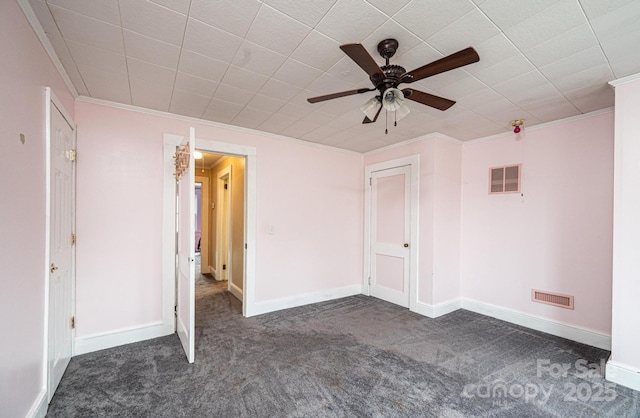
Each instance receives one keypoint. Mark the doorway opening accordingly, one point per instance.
(220, 229)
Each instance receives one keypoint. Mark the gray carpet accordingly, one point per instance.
(352, 357)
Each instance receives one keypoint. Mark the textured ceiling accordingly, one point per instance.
(253, 63)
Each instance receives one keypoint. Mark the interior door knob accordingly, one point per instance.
(406, 245)
(53, 267)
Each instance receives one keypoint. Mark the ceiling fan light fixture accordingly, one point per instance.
(402, 111)
(392, 99)
(370, 108)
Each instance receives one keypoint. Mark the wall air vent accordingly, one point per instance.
(552, 298)
(505, 179)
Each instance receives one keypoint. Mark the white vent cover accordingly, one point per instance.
(552, 298)
(505, 179)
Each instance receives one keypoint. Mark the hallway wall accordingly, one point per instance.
(237, 216)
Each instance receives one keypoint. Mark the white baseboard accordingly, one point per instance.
(559, 329)
(235, 291)
(103, 340)
(623, 374)
(434, 311)
(260, 308)
(39, 407)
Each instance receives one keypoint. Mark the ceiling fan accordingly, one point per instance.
(387, 78)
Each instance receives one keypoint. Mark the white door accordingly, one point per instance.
(390, 233)
(205, 209)
(224, 225)
(60, 248)
(186, 254)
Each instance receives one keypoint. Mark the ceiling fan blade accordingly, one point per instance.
(367, 120)
(455, 60)
(360, 56)
(428, 99)
(336, 95)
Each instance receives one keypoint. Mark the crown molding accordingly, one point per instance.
(624, 80)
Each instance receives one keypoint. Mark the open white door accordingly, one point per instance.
(186, 249)
(390, 234)
(61, 241)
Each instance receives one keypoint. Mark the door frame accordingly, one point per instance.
(413, 161)
(169, 219)
(52, 100)
(222, 212)
(205, 208)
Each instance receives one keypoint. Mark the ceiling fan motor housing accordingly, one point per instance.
(392, 77)
(387, 48)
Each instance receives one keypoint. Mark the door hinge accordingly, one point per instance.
(369, 280)
(226, 186)
(175, 310)
(73, 239)
(73, 322)
(224, 267)
(245, 246)
(72, 155)
(370, 181)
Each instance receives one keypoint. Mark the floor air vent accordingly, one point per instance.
(551, 298)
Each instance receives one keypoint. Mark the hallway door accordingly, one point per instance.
(390, 223)
(185, 306)
(61, 242)
(223, 226)
(204, 210)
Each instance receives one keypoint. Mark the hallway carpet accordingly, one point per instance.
(352, 357)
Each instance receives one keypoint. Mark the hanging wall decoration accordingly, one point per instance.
(181, 160)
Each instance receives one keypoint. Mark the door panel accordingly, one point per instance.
(388, 271)
(390, 207)
(186, 254)
(223, 225)
(224, 233)
(61, 251)
(390, 211)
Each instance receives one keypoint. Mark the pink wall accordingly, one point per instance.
(557, 236)
(625, 338)
(24, 73)
(118, 220)
(439, 214)
(312, 196)
(446, 213)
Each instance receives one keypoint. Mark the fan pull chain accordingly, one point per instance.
(395, 117)
(386, 122)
